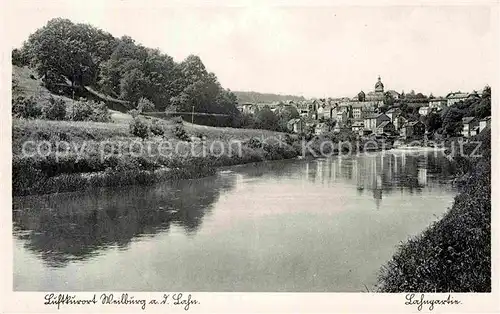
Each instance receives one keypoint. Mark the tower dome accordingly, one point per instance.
(379, 87)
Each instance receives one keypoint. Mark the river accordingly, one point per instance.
(324, 225)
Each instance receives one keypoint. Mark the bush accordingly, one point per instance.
(101, 112)
(157, 128)
(134, 113)
(254, 143)
(139, 128)
(181, 134)
(19, 57)
(27, 108)
(145, 105)
(81, 111)
(454, 254)
(55, 109)
(90, 111)
(15, 86)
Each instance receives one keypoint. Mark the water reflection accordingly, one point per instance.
(75, 226)
(382, 173)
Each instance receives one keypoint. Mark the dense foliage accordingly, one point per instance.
(454, 254)
(78, 55)
(478, 107)
(88, 110)
(55, 109)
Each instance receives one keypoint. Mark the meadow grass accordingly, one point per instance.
(98, 160)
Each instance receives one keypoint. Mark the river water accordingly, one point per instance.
(295, 225)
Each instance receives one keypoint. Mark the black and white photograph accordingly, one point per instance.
(180, 149)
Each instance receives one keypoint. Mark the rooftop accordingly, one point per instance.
(466, 120)
(383, 124)
(393, 110)
(374, 116)
(457, 95)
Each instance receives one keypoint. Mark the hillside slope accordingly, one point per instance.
(255, 97)
(25, 82)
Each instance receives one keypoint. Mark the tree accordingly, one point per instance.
(285, 114)
(483, 109)
(266, 119)
(331, 124)
(246, 120)
(486, 92)
(19, 57)
(63, 51)
(452, 121)
(388, 99)
(132, 85)
(81, 55)
(383, 108)
(433, 122)
(420, 96)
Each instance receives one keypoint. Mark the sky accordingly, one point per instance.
(313, 51)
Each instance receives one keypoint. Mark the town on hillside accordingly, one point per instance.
(128, 159)
(380, 112)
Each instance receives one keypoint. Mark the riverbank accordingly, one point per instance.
(454, 253)
(64, 156)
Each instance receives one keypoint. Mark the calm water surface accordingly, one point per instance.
(320, 225)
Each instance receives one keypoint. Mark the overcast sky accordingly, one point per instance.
(312, 51)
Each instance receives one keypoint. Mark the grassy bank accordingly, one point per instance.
(68, 156)
(77, 155)
(453, 254)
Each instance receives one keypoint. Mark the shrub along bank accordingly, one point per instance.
(97, 154)
(453, 254)
(110, 154)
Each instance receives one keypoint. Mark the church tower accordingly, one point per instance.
(379, 86)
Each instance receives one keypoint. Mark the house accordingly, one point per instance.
(414, 129)
(484, 123)
(320, 128)
(470, 126)
(342, 117)
(345, 106)
(357, 111)
(437, 104)
(453, 98)
(393, 113)
(398, 122)
(303, 108)
(296, 125)
(249, 108)
(424, 110)
(320, 113)
(373, 121)
(386, 127)
(358, 127)
(473, 95)
(395, 95)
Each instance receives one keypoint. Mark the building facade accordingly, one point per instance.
(484, 123)
(373, 121)
(470, 126)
